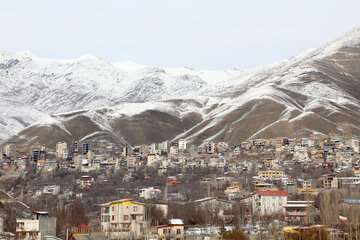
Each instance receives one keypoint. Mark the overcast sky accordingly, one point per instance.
(208, 34)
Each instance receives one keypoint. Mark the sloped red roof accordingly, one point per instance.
(272, 193)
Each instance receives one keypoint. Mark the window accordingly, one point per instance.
(105, 210)
(105, 218)
(135, 208)
(178, 231)
(126, 217)
(113, 218)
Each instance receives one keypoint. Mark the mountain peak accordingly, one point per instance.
(350, 39)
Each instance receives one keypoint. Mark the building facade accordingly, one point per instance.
(268, 202)
(123, 219)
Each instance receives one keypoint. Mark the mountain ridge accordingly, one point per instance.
(317, 91)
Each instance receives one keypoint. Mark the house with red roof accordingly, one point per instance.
(268, 202)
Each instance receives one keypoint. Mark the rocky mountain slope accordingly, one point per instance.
(317, 91)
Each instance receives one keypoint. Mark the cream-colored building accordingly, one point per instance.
(35, 228)
(123, 219)
(182, 144)
(27, 229)
(174, 150)
(271, 174)
(330, 181)
(152, 160)
(174, 230)
(10, 149)
(61, 150)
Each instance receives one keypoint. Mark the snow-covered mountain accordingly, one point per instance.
(317, 91)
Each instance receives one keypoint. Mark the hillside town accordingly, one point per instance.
(262, 188)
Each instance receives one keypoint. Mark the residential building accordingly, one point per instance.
(163, 146)
(330, 181)
(35, 154)
(48, 189)
(267, 202)
(174, 150)
(149, 193)
(152, 160)
(10, 149)
(27, 229)
(210, 148)
(61, 150)
(299, 212)
(271, 174)
(355, 144)
(86, 181)
(172, 231)
(214, 205)
(85, 147)
(182, 144)
(152, 148)
(36, 228)
(126, 151)
(123, 219)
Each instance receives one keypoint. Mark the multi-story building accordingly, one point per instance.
(10, 149)
(127, 150)
(299, 212)
(36, 228)
(271, 174)
(27, 229)
(267, 202)
(35, 154)
(152, 148)
(174, 150)
(152, 160)
(173, 230)
(355, 144)
(123, 219)
(182, 144)
(48, 189)
(330, 181)
(61, 150)
(210, 148)
(163, 146)
(86, 181)
(149, 193)
(85, 147)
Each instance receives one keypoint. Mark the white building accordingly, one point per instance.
(61, 150)
(152, 160)
(10, 149)
(86, 181)
(152, 148)
(48, 189)
(182, 144)
(149, 193)
(173, 230)
(355, 144)
(267, 202)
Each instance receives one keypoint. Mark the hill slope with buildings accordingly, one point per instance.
(317, 91)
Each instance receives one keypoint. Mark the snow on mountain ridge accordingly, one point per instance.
(125, 88)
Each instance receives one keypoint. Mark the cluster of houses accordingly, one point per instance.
(263, 178)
